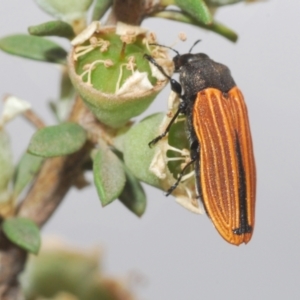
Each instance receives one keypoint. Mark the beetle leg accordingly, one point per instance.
(181, 109)
(174, 186)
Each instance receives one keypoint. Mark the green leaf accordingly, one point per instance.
(133, 195)
(23, 232)
(62, 106)
(57, 140)
(56, 28)
(109, 175)
(6, 162)
(26, 170)
(66, 9)
(222, 2)
(33, 47)
(67, 91)
(100, 8)
(137, 154)
(184, 18)
(197, 9)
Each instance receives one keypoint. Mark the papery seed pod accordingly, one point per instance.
(107, 68)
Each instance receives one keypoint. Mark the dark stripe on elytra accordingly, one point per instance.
(244, 226)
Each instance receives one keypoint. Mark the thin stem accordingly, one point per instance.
(184, 18)
(34, 119)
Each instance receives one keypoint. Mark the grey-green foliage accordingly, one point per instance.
(57, 140)
(23, 232)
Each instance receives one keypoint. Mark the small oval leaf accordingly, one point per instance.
(67, 9)
(53, 28)
(222, 2)
(109, 175)
(100, 8)
(33, 47)
(26, 170)
(137, 154)
(133, 195)
(197, 9)
(57, 140)
(23, 232)
(6, 162)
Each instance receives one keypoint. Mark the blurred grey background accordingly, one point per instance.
(179, 253)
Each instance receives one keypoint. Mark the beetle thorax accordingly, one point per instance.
(200, 72)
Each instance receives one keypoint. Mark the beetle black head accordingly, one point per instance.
(181, 60)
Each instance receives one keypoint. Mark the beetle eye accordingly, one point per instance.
(176, 86)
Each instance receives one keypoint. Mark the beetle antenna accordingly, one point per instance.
(154, 62)
(166, 47)
(198, 41)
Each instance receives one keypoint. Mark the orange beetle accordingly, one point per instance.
(220, 142)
